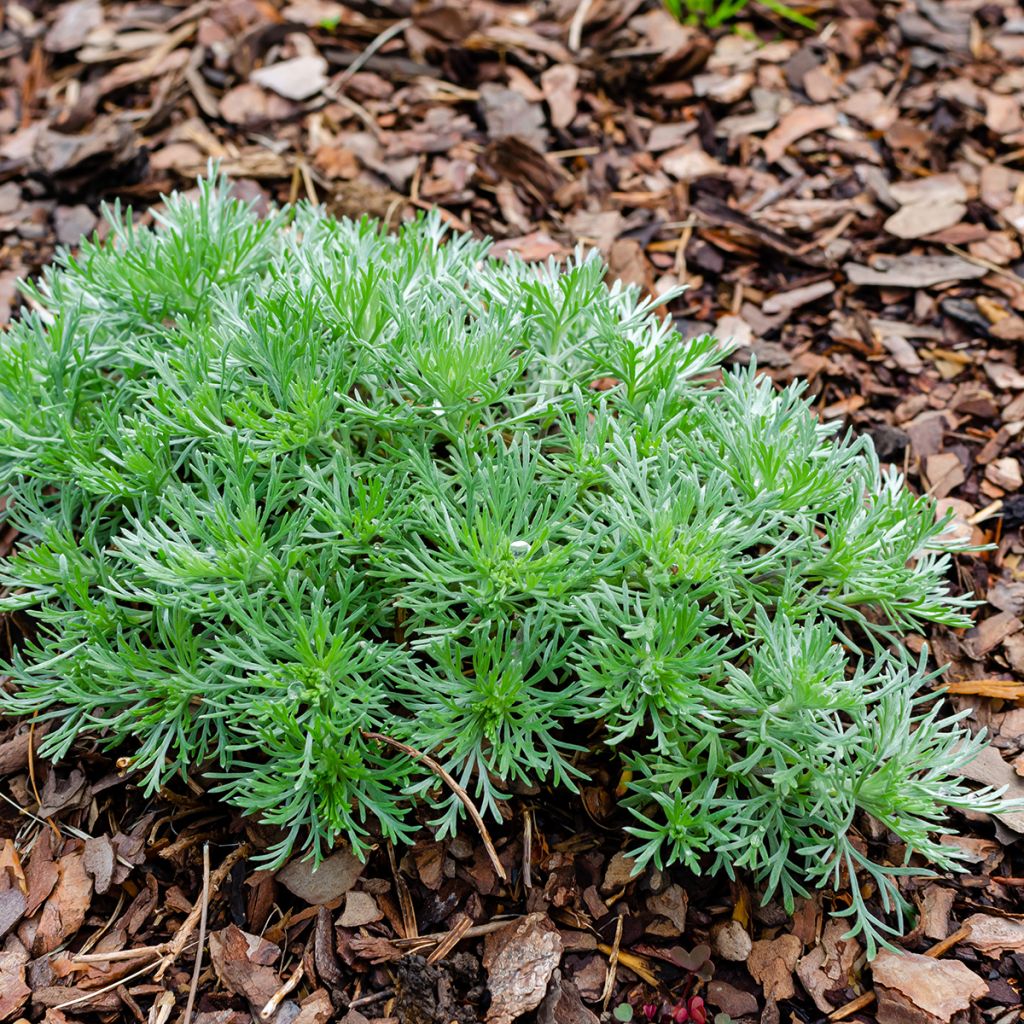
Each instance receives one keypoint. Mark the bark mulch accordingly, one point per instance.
(847, 204)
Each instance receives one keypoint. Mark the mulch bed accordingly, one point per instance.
(847, 205)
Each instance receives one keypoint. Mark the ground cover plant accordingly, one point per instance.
(712, 13)
(285, 483)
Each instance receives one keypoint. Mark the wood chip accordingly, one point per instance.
(14, 992)
(936, 188)
(618, 874)
(798, 123)
(771, 963)
(936, 906)
(991, 632)
(73, 23)
(944, 472)
(989, 769)
(916, 989)
(322, 884)
(295, 79)
(1005, 473)
(559, 86)
(921, 219)
(360, 909)
(993, 936)
(690, 162)
(829, 966)
(520, 960)
(913, 271)
(730, 941)
(786, 302)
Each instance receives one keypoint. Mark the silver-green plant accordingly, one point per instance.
(283, 482)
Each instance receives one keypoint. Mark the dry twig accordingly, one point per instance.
(205, 905)
(455, 788)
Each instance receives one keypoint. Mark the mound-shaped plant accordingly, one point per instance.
(281, 483)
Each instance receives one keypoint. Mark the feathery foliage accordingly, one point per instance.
(713, 13)
(283, 482)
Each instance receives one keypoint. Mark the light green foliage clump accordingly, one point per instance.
(283, 482)
(713, 13)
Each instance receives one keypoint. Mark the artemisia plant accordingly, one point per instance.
(282, 482)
